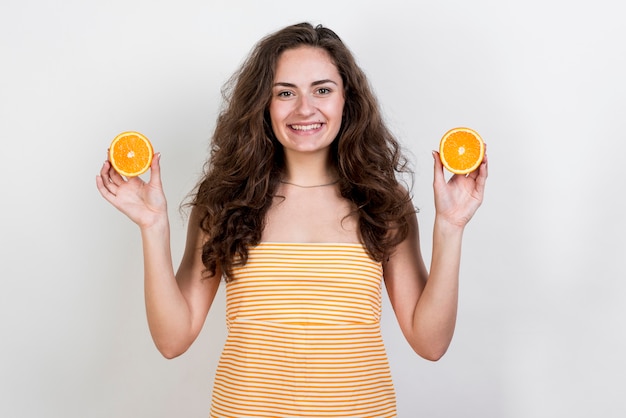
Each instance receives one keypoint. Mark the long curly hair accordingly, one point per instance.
(246, 160)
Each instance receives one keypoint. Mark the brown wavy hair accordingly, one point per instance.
(246, 160)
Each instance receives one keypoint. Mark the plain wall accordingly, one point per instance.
(540, 330)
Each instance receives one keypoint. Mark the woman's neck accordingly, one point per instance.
(309, 172)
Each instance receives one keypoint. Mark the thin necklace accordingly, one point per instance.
(310, 187)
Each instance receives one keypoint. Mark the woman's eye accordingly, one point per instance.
(323, 90)
(284, 94)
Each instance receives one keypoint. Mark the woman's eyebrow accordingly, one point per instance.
(284, 84)
(328, 80)
(315, 83)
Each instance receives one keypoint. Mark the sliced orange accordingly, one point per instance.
(461, 150)
(131, 154)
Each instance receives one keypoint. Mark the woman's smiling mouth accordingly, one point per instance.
(305, 128)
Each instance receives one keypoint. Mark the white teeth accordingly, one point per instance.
(306, 127)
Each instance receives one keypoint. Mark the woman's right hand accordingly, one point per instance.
(143, 202)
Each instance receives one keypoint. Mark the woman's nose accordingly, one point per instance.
(305, 105)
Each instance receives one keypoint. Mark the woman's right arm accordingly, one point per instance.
(176, 304)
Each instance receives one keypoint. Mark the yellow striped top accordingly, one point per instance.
(304, 335)
(326, 284)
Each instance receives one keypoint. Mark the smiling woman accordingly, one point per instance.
(307, 105)
(301, 212)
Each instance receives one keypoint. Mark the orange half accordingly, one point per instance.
(131, 154)
(461, 150)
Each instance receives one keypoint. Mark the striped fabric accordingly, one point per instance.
(304, 336)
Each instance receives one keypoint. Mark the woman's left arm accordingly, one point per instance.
(425, 303)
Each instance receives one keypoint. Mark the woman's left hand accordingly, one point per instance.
(457, 199)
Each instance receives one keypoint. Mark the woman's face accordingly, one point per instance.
(307, 101)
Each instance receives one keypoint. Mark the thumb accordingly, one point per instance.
(438, 177)
(155, 170)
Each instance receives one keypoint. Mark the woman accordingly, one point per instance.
(301, 212)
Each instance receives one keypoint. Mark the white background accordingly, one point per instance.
(541, 323)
